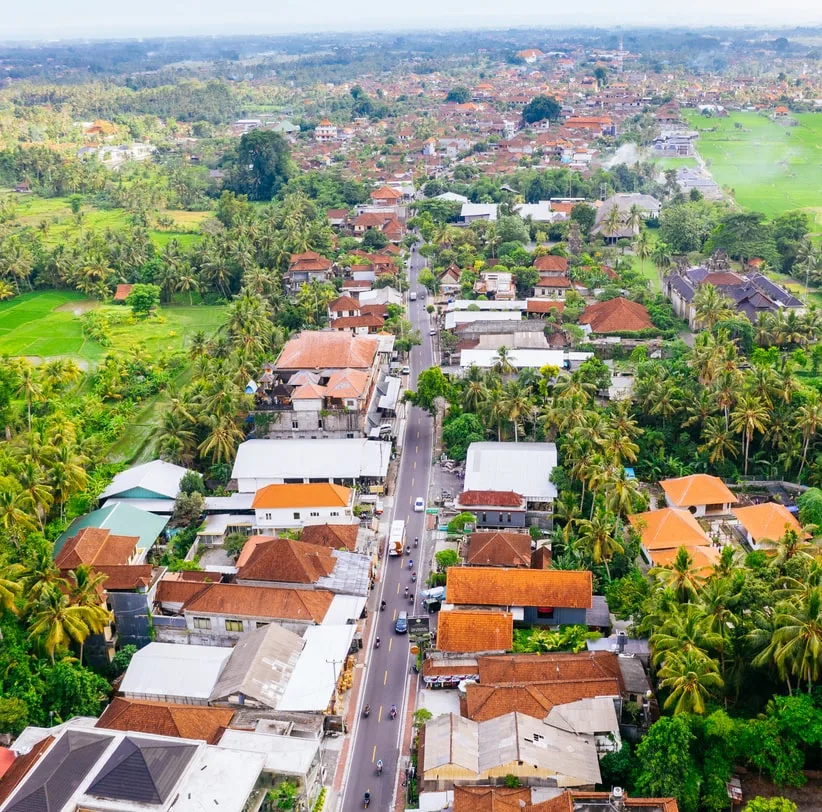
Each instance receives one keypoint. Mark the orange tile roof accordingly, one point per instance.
(543, 306)
(766, 521)
(93, 545)
(288, 561)
(386, 193)
(704, 558)
(180, 721)
(697, 489)
(267, 602)
(543, 668)
(250, 545)
(469, 631)
(312, 349)
(550, 262)
(483, 702)
(616, 315)
(490, 499)
(347, 383)
(302, 495)
(343, 303)
(490, 799)
(499, 549)
(132, 576)
(669, 528)
(336, 536)
(492, 586)
(122, 292)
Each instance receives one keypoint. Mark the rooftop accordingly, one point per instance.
(265, 603)
(463, 630)
(616, 315)
(669, 528)
(302, 495)
(524, 468)
(494, 586)
(312, 349)
(697, 489)
(499, 549)
(767, 521)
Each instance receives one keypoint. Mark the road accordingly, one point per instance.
(388, 667)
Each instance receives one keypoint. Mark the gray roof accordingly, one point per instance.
(633, 673)
(60, 772)
(142, 770)
(351, 575)
(682, 286)
(260, 665)
(589, 716)
(524, 468)
(160, 477)
(598, 614)
(774, 292)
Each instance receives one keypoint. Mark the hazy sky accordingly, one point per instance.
(96, 18)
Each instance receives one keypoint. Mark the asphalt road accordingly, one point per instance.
(388, 667)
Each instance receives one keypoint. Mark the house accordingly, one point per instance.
(551, 264)
(496, 285)
(766, 522)
(336, 217)
(385, 196)
(615, 316)
(121, 292)
(553, 286)
(470, 212)
(307, 267)
(524, 468)
(97, 546)
(494, 798)
(283, 562)
(449, 280)
(701, 494)
(162, 719)
(455, 750)
(152, 486)
(541, 308)
(118, 520)
(335, 536)
(478, 630)
(325, 131)
(499, 549)
(663, 532)
(82, 767)
(343, 306)
(296, 505)
(535, 597)
(354, 461)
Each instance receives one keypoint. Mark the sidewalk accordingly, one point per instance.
(407, 737)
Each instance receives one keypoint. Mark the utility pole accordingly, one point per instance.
(333, 663)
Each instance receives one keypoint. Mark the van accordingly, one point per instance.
(401, 626)
(413, 296)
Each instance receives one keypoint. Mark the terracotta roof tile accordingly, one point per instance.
(490, 499)
(704, 558)
(668, 528)
(327, 350)
(343, 303)
(490, 799)
(545, 668)
(133, 576)
(469, 631)
(766, 521)
(499, 549)
(549, 262)
(180, 721)
(21, 766)
(492, 586)
(250, 545)
(288, 561)
(263, 602)
(352, 322)
(386, 193)
(336, 536)
(302, 495)
(616, 315)
(94, 545)
(536, 305)
(697, 489)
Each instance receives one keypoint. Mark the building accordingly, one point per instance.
(478, 630)
(701, 494)
(663, 532)
(343, 462)
(296, 505)
(305, 268)
(458, 751)
(325, 131)
(767, 522)
(471, 212)
(615, 316)
(624, 202)
(496, 285)
(502, 799)
(524, 468)
(498, 549)
(494, 508)
(534, 596)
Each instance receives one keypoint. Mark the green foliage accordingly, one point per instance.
(446, 558)
(457, 524)
(685, 227)
(142, 299)
(96, 324)
(626, 595)
(618, 769)
(122, 659)
(810, 507)
(541, 108)
(512, 229)
(262, 165)
(192, 481)
(539, 640)
(511, 781)
(188, 507)
(458, 95)
(585, 215)
(320, 800)
(72, 690)
(431, 385)
(775, 804)
(233, 544)
(284, 796)
(374, 239)
(459, 432)
(14, 715)
(421, 716)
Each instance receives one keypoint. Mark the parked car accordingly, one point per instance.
(406, 370)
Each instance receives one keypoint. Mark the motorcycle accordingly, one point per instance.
(416, 542)
(413, 577)
(366, 710)
(382, 606)
(366, 801)
(377, 643)
(393, 712)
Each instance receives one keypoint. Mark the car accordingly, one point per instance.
(406, 370)
(401, 626)
(432, 331)
(419, 505)
(413, 296)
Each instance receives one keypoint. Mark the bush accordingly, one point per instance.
(457, 524)
(192, 481)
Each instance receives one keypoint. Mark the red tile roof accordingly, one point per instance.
(507, 499)
(616, 315)
(549, 262)
(93, 545)
(491, 586)
(264, 602)
(464, 630)
(499, 549)
(336, 536)
(288, 561)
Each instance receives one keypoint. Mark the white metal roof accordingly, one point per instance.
(344, 608)
(158, 476)
(539, 212)
(315, 676)
(468, 316)
(222, 780)
(285, 755)
(166, 669)
(485, 359)
(524, 468)
(482, 304)
(337, 459)
(488, 210)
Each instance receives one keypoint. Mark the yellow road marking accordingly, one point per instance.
(385, 680)
(395, 611)
(379, 715)
(417, 450)
(418, 435)
(398, 589)
(412, 482)
(391, 640)
(374, 754)
(415, 465)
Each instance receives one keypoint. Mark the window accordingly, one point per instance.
(202, 622)
(314, 513)
(268, 516)
(234, 625)
(484, 518)
(545, 612)
(335, 512)
(509, 518)
(296, 514)
(261, 623)
(294, 424)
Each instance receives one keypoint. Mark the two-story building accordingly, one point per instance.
(307, 267)
(296, 505)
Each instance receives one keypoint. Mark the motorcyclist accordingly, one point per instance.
(377, 642)
(382, 606)
(410, 563)
(366, 710)
(406, 592)
(393, 711)
(416, 541)
(379, 766)
(366, 798)
(413, 576)
(407, 549)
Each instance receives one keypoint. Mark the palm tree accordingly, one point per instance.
(635, 218)
(716, 441)
(662, 256)
(516, 403)
(642, 248)
(808, 421)
(29, 387)
(684, 629)
(85, 591)
(690, 677)
(502, 365)
(36, 493)
(711, 306)
(39, 576)
(599, 537)
(55, 622)
(14, 514)
(749, 416)
(223, 438)
(680, 576)
(10, 587)
(612, 222)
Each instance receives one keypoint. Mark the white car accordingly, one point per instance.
(419, 505)
(432, 331)
(406, 370)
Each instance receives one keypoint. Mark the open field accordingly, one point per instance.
(769, 166)
(47, 325)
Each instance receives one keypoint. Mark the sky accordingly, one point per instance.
(63, 19)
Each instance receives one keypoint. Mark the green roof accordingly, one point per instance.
(119, 520)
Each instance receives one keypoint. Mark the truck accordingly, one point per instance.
(396, 539)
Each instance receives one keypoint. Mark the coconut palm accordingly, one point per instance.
(642, 248)
(502, 365)
(85, 591)
(717, 441)
(223, 438)
(515, 403)
(598, 536)
(682, 629)
(55, 623)
(711, 306)
(662, 256)
(10, 587)
(808, 422)
(635, 218)
(751, 415)
(690, 678)
(15, 515)
(680, 576)
(612, 222)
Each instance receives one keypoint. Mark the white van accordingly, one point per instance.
(413, 296)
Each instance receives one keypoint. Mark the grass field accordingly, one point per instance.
(47, 325)
(674, 163)
(769, 166)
